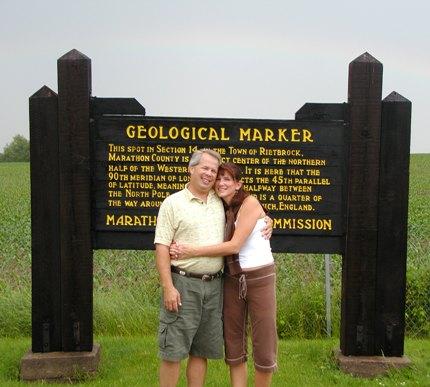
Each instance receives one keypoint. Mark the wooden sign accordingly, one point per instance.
(295, 168)
(335, 180)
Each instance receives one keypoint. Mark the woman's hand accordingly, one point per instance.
(180, 251)
(266, 233)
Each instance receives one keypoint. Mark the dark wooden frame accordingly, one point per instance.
(374, 246)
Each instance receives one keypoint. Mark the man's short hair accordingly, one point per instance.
(197, 155)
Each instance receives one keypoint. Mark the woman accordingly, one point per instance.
(249, 284)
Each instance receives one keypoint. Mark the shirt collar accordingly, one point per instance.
(190, 195)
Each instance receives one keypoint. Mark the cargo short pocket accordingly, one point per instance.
(165, 329)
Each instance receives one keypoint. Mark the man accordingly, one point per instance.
(191, 310)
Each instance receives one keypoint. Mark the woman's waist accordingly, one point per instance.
(252, 262)
(253, 256)
(256, 272)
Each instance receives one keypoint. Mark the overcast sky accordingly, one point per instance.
(223, 58)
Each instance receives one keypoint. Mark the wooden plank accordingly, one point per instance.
(359, 261)
(323, 112)
(307, 244)
(74, 90)
(392, 225)
(45, 222)
(117, 240)
(128, 240)
(116, 106)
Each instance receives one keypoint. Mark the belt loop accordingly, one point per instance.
(242, 287)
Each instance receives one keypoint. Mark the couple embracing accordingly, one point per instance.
(203, 307)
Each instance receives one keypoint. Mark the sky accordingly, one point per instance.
(223, 58)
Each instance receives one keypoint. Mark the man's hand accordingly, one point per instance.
(172, 299)
(266, 233)
(171, 296)
(180, 251)
(174, 251)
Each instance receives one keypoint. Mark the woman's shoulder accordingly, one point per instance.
(251, 202)
(251, 199)
(250, 211)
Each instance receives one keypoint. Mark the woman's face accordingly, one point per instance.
(226, 186)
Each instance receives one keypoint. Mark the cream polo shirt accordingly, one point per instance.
(182, 217)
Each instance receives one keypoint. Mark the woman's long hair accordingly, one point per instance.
(231, 210)
(241, 194)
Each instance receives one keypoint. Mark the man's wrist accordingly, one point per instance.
(167, 286)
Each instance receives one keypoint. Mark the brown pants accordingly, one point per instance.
(251, 293)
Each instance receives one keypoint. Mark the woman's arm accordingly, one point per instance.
(250, 212)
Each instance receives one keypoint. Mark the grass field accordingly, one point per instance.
(126, 295)
(126, 283)
(132, 361)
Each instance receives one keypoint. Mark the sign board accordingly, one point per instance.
(295, 168)
(335, 180)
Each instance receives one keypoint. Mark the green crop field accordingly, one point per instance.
(126, 291)
(126, 296)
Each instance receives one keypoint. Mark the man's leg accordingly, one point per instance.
(239, 375)
(169, 373)
(196, 371)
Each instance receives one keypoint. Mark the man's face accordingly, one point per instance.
(203, 175)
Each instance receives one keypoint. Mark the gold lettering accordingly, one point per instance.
(131, 220)
(224, 137)
(130, 131)
(307, 136)
(200, 135)
(269, 135)
(245, 134)
(279, 134)
(257, 135)
(213, 135)
(295, 133)
(174, 133)
(110, 219)
(282, 136)
(303, 224)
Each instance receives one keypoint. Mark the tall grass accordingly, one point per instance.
(126, 289)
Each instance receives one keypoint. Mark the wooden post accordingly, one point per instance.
(359, 260)
(74, 90)
(392, 225)
(45, 230)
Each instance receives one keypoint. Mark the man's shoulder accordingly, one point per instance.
(175, 197)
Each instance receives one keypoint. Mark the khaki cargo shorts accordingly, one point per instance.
(197, 327)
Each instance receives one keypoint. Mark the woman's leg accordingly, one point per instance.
(235, 318)
(238, 375)
(262, 311)
(263, 379)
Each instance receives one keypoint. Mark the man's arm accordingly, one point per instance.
(251, 212)
(172, 298)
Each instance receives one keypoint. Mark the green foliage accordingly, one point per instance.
(300, 296)
(15, 306)
(418, 305)
(126, 292)
(126, 288)
(17, 150)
